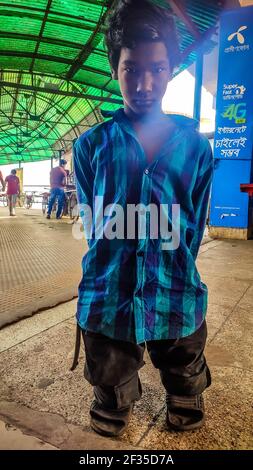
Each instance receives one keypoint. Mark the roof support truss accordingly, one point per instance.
(46, 90)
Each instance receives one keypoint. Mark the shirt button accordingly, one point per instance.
(146, 172)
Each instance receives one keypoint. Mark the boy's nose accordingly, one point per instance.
(145, 83)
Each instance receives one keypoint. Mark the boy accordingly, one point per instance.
(134, 290)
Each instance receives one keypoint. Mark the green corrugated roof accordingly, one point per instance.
(54, 72)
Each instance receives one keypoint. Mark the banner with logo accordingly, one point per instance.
(19, 174)
(234, 115)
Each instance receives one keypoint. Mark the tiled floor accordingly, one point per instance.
(40, 263)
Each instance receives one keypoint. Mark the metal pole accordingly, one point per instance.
(198, 86)
(52, 162)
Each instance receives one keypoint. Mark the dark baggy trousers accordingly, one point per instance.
(112, 366)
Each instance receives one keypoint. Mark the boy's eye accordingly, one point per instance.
(130, 69)
(159, 69)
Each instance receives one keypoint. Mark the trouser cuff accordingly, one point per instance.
(178, 385)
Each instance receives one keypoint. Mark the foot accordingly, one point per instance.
(48, 216)
(110, 423)
(185, 413)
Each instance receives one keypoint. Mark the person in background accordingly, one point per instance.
(2, 181)
(57, 183)
(13, 190)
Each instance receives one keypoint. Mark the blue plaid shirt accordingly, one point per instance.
(134, 289)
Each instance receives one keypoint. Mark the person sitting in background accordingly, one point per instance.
(13, 190)
(57, 183)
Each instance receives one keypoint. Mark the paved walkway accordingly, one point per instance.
(41, 398)
(40, 263)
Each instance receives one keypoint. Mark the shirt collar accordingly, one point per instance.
(120, 117)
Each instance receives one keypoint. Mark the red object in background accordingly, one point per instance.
(57, 177)
(247, 188)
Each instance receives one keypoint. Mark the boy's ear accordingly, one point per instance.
(114, 75)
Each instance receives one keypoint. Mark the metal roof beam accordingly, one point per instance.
(9, 119)
(78, 64)
(194, 46)
(32, 37)
(16, 126)
(180, 12)
(12, 142)
(41, 32)
(88, 47)
(84, 54)
(35, 56)
(58, 13)
(46, 90)
(15, 98)
(38, 137)
(61, 60)
(35, 149)
(10, 136)
(41, 121)
(63, 113)
(33, 138)
(80, 23)
(22, 159)
(73, 82)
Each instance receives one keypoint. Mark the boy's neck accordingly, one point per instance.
(152, 130)
(155, 117)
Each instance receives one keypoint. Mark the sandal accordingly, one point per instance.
(185, 413)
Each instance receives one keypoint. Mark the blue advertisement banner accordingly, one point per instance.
(234, 112)
(230, 207)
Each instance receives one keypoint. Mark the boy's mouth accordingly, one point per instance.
(143, 102)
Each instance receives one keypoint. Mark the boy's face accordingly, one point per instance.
(143, 75)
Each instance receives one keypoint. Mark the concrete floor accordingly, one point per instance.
(40, 263)
(13, 439)
(41, 398)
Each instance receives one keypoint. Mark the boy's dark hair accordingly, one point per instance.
(13, 172)
(133, 21)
